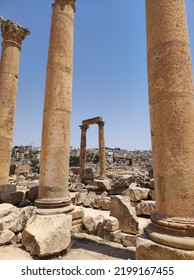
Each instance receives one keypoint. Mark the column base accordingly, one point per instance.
(53, 206)
(54, 211)
(146, 249)
(170, 237)
(176, 232)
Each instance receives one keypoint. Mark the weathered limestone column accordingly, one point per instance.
(13, 35)
(171, 99)
(55, 150)
(102, 150)
(83, 149)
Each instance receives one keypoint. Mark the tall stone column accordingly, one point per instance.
(102, 150)
(83, 149)
(13, 34)
(55, 148)
(171, 99)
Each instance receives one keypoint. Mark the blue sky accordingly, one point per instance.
(109, 72)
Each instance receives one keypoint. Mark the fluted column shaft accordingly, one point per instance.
(102, 150)
(55, 148)
(13, 35)
(83, 149)
(171, 99)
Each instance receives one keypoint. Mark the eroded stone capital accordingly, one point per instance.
(101, 124)
(12, 31)
(63, 3)
(84, 128)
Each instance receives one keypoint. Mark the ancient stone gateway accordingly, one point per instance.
(171, 97)
(13, 35)
(102, 151)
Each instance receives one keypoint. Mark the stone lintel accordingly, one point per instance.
(95, 120)
(13, 32)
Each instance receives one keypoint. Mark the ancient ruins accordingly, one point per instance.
(153, 217)
(102, 152)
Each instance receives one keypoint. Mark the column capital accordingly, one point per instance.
(84, 127)
(63, 3)
(12, 31)
(101, 123)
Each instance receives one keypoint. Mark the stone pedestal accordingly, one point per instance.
(171, 99)
(55, 149)
(13, 35)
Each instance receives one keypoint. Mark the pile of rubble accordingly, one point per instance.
(109, 208)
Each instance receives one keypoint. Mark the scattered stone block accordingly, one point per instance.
(113, 236)
(14, 198)
(117, 191)
(125, 214)
(77, 213)
(47, 235)
(123, 182)
(8, 188)
(89, 174)
(128, 240)
(133, 185)
(6, 237)
(103, 184)
(89, 199)
(31, 184)
(136, 193)
(105, 203)
(75, 170)
(145, 207)
(16, 218)
(76, 187)
(6, 209)
(76, 229)
(81, 197)
(110, 224)
(32, 193)
(92, 223)
(97, 203)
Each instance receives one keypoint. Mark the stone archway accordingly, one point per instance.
(102, 151)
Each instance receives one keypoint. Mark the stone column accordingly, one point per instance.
(171, 99)
(13, 35)
(83, 149)
(102, 150)
(55, 148)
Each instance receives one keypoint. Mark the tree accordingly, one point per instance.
(74, 161)
(96, 158)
